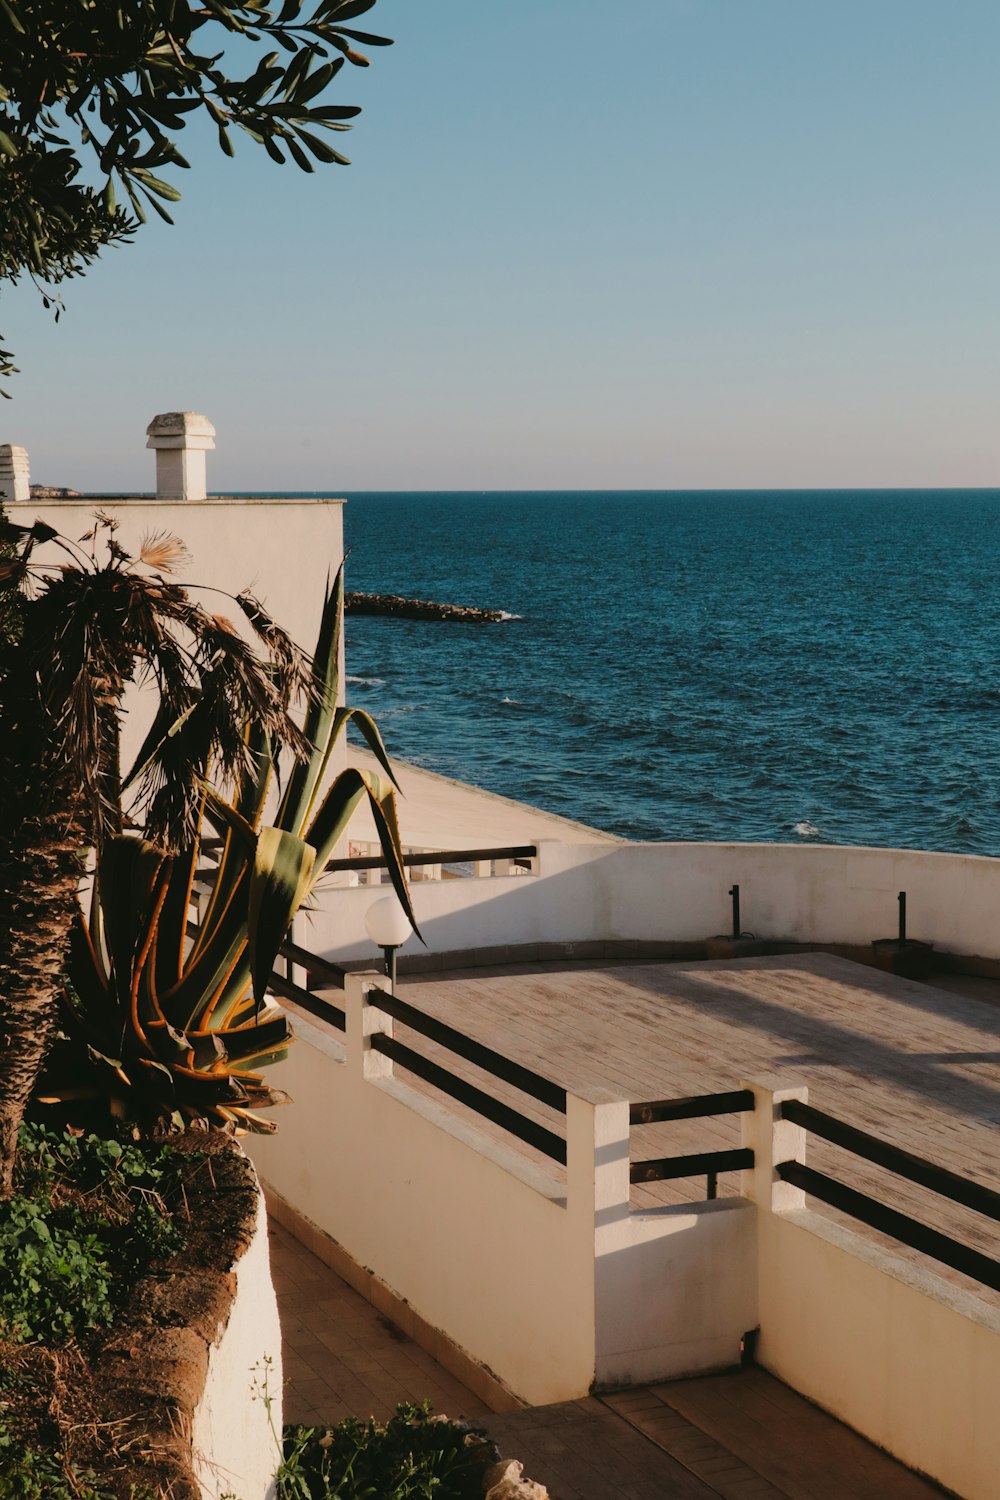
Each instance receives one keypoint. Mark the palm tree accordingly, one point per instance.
(87, 630)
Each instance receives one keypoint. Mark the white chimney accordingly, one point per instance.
(14, 480)
(181, 440)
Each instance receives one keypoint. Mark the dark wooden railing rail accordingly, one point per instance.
(520, 853)
(736, 1101)
(484, 1057)
(711, 1163)
(314, 1005)
(524, 1079)
(871, 1211)
(323, 968)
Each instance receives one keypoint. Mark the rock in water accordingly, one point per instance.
(418, 609)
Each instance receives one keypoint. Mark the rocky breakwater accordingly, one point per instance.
(420, 609)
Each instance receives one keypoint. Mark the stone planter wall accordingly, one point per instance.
(183, 1374)
(236, 1424)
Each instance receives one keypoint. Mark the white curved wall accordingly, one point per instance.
(679, 893)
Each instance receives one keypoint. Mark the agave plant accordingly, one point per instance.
(162, 1020)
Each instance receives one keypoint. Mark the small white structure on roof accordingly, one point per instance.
(14, 477)
(181, 440)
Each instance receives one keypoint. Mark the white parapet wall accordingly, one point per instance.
(550, 1282)
(236, 1426)
(899, 1355)
(893, 1350)
(585, 893)
(557, 1288)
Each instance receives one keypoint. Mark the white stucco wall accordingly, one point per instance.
(676, 1289)
(283, 551)
(679, 892)
(234, 1438)
(551, 1285)
(901, 1356)
(887, 1346)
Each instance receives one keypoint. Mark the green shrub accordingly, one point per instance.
(86, 1218)
(413, 1456)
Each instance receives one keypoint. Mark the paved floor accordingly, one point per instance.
(742, 1436)
(911, 1063)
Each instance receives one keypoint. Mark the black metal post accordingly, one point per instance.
(389, 953)
(713, 1185)
(734, 891)
(902, 916)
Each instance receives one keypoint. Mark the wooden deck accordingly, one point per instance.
(913, 1064)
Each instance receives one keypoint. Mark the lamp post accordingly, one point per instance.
(388, 925)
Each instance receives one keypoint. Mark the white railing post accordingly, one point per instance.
(597, 1159)
(772, 1140)
(597, 1207)
(295, 972)
(545, 856)
(365, 1021)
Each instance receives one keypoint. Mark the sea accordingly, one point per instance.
(818, 666)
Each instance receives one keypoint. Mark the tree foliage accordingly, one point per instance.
(93, 95)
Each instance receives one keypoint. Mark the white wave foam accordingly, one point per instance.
(806, 830)
(514, 702)
(505, 615)
(366, 681)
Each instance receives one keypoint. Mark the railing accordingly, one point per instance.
(711, 1163)
(905, 1164)
(522, 1078)
(517, 856)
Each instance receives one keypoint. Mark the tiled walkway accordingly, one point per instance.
(741, 1436)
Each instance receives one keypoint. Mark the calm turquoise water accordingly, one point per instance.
(699, 665)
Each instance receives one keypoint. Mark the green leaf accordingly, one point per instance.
(156, 185)
(370, 731)
(322, 151)
(282, 870)
(320, 724)
(335, 812)
(224, 817)
(128, 880)
(330, 823)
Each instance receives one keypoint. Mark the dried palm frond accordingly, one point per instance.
(164, 552)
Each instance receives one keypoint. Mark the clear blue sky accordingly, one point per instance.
(647, 243)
